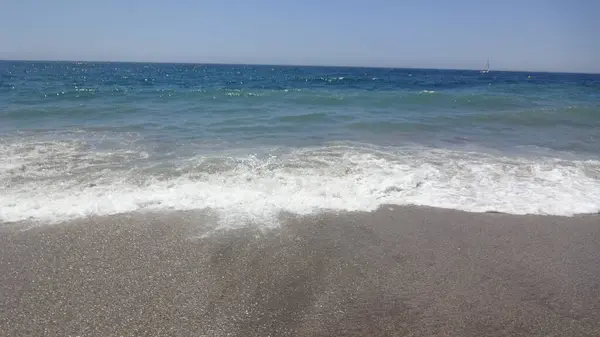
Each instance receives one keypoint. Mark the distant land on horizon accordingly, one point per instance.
(492, 69)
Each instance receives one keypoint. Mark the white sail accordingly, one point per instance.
(487, 67)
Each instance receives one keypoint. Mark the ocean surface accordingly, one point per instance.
(245, 143)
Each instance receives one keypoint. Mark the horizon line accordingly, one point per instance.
(299, 65)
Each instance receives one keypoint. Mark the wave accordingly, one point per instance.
(54, 181)
(576, 116)
(448, 108)
(304, 118)
(28, 104)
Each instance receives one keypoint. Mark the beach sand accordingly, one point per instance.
(399, 271)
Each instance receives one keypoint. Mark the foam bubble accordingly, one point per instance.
(244, 187)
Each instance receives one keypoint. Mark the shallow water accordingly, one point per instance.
(248, 142)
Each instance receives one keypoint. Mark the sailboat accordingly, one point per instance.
(487, 67)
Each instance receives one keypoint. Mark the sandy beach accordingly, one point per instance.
(399, 271)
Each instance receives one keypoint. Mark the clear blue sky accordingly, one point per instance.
(551, 35)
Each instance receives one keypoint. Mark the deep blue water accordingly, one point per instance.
(246, 142)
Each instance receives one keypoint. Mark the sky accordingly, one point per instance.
(536, 35)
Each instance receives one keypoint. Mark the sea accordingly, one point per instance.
(246, 143)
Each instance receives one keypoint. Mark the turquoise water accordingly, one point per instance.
(247, 142)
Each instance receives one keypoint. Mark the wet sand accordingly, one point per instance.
(400, 271)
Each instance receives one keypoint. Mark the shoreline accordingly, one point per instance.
(211, 218)
(397, 271)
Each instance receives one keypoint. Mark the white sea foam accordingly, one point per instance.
(56, 181)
